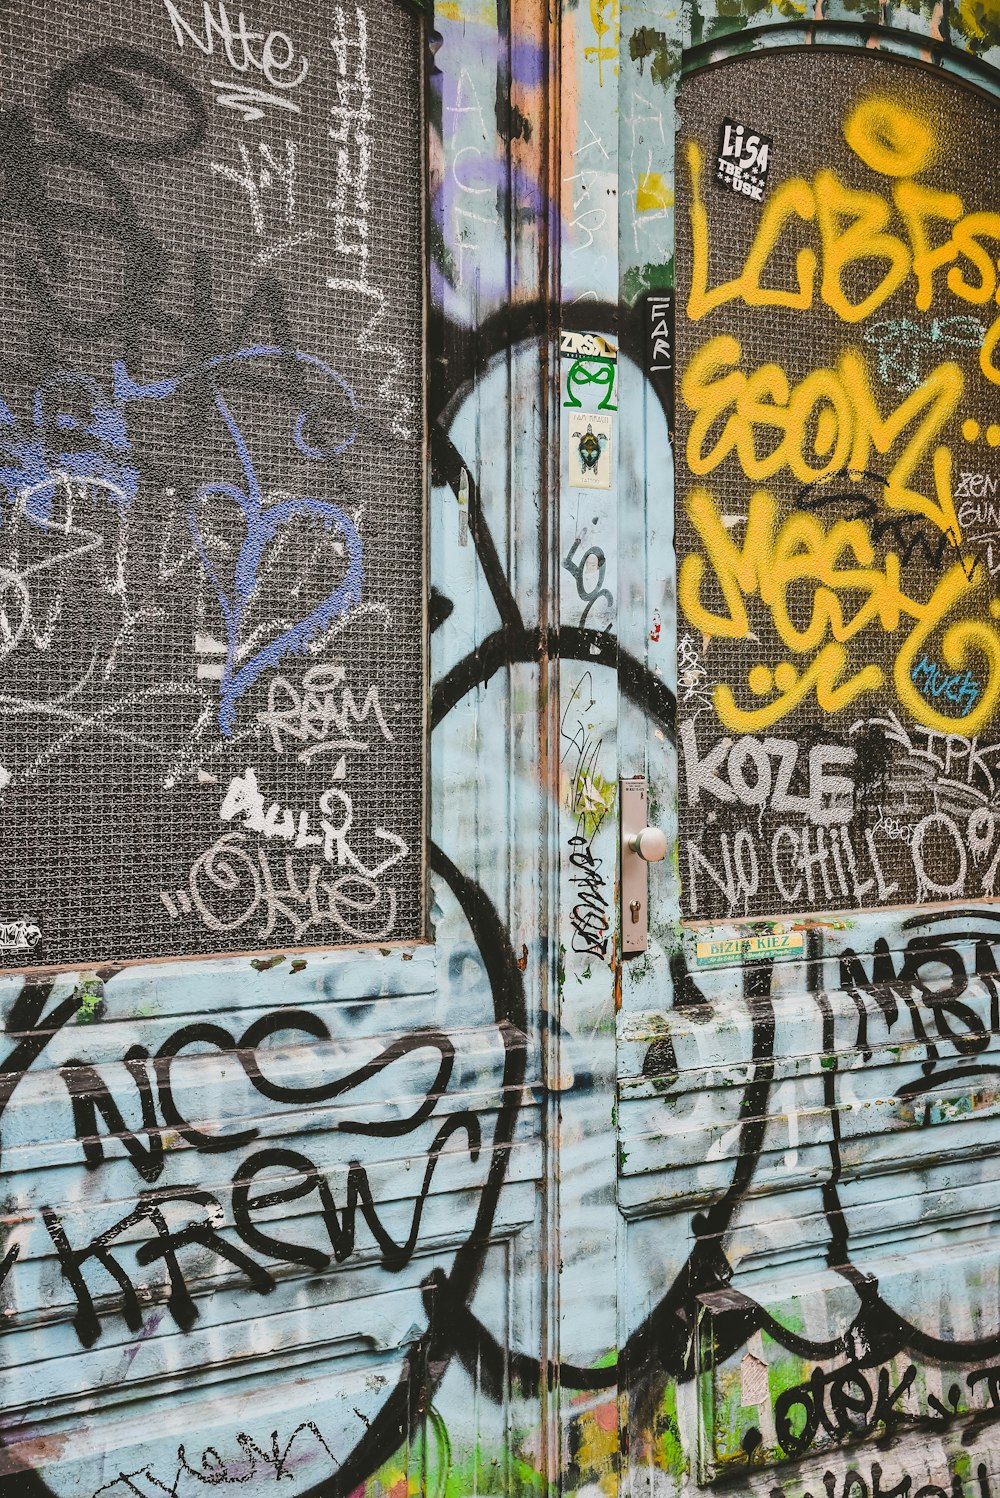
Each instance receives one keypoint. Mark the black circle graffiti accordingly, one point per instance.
(110, 70)
(426, 1358)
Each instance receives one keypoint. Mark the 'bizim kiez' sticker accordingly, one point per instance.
(743, 159)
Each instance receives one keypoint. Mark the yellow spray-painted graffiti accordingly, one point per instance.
(831, 415)
(604, 19)
(847, 615)
(653, 193)
(849, 594)
(855, 234)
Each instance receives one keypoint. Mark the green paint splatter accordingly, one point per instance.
(264, 964)
(438, 1467)
(666, 63)
(792, 1320)
(91, 1001)
(639, 279)
(592, 799)
(670, 1449)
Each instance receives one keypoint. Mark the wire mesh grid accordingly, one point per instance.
(914, 821)
(211, 472)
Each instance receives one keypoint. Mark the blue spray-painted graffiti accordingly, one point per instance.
(935, 680)
(32, 456)
(905, 350)
(36, 463)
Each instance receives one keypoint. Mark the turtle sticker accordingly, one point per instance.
(589, 449)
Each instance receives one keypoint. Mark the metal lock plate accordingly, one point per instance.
(635, 870)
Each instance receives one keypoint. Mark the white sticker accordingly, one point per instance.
(753, 1380)
(589, 449)
(586, 346)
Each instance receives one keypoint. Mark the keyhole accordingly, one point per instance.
(635, 907)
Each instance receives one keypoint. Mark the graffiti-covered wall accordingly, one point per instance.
(807, 1137)
(406, 1180)
(247, 1202)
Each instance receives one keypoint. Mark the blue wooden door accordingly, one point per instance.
(275, 929)
(807, 1125)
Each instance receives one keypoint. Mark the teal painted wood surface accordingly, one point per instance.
(499, 1213)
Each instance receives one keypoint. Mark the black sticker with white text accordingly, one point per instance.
(743, 160)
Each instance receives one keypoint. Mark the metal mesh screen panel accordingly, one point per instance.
(837, 641)
(211, 558)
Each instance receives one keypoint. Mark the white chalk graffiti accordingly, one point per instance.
(322, 714)
(231, 884)
(267, 179)
(692, 677)
(350, 122)
(270, 54)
